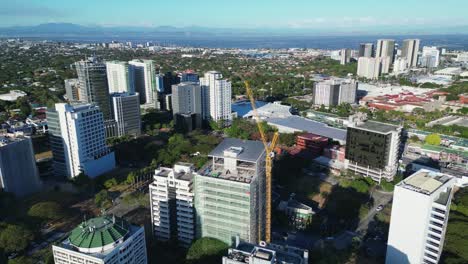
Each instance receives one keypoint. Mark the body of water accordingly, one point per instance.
(243, 107)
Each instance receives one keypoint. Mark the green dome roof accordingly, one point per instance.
(99, 232)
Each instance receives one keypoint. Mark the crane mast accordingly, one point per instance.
(268, 162)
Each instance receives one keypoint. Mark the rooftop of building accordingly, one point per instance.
(378, 126)
(267, 252)
(271, 110)
(8, 139)
(304, 124)
(184, 174)
(98, 232)
(243, 150)
(424, 181)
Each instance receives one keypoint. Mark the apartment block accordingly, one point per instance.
(420, 211)
(171, 199)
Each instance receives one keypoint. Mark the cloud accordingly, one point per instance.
(21, 9)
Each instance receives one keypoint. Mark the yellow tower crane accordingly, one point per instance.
(268, 161)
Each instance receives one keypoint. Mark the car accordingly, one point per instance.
(379, 208)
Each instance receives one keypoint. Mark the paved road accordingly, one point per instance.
(379, 198)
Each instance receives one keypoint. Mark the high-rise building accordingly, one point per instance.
(373, 149)
(335, 92)
(92, 78)
(188, 76)
(171, 198)
(126, 113)
(430, 57)
(160, 83)
(72, 88)
(187, 99)
(78, 140)
(103, 240)
(265, 253)
(18, 171)
(385, 48)
(118, 77)
(400, 66)
(372, 68)
(410, 51)
(366, 50)
(345, 56)
(216, 96)
(144, 80)
(420, 211)
(230, 192)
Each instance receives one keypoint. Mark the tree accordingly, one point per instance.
(433, 139)
(15, 238)
(46, 211)
(21, 260)
(206, 250)
(103, 199)
(110, 183)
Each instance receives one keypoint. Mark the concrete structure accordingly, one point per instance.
(450, 71)
(409, 51)
(92, 78)
(271, 110)
(18, 171)
(126, 113)
(188, 76)
(385, 48)
(373, 149)
(250, 253)
(430, 57)
(299, 214)
(160, 83)
(171, 199)
(216, 97)
(335, 92)
(345, 56)
(462, 57)
(72, 88)
(366, 50)
(372, 68)
(187, 98)
(230, 192)
(103, 240)
(400, 66)
(187, 122)
(144, 80)
(12, 96)
(311, 144)
(118, 77)
(78, 141)
(421, 206)
(300, 124)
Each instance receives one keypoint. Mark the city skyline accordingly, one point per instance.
(334, 16)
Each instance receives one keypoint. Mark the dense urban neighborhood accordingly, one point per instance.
(145, 153)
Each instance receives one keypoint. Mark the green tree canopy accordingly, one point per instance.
(46, 211)
(433, 139)
(206, 250)
(15, 238)
(103, 199)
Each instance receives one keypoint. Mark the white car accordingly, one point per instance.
(379, 208)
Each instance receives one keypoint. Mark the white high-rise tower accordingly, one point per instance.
(118, 77)
(216, 96)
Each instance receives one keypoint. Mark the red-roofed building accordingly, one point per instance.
(311, 143)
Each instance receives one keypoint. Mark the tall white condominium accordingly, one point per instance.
(72, 87)
(18, 171)
(144, 80)
(385, 48)
(335, 92)
(409, 51)
(78, 140)
(216, 94)
(462, 57)
(372, 149)
(171, 198)
(126, 112)
(420, 211)
(430, 57)
(93, 85)
(103, 240)
(369, 68)
(366, 50)
(400, 66)
(345, 56)
(230, 192)
(118, 77)
(186, 98)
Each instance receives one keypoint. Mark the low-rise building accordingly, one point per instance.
(103, 240)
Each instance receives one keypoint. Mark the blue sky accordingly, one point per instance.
(301, 14)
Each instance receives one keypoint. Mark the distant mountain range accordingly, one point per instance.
(69, 29)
